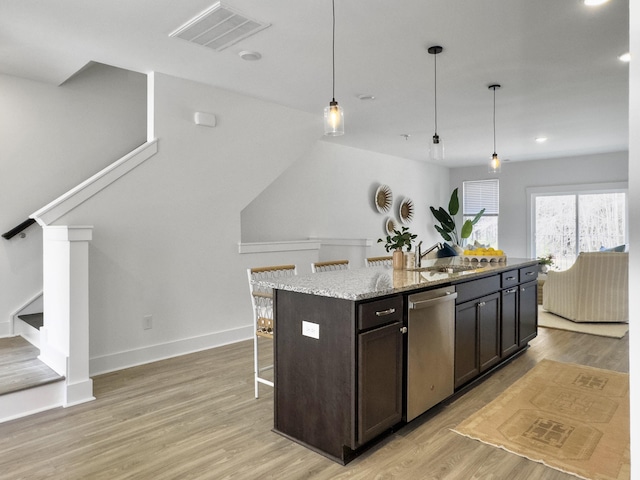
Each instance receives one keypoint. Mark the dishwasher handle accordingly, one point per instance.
(448, 297)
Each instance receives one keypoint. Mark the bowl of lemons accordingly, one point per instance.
(484, 254)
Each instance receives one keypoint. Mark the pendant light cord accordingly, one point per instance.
(494, 120)
(333, 54)
(435, 92)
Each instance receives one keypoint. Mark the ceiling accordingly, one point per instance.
(555, 59)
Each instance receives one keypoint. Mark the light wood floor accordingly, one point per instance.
(195, 417)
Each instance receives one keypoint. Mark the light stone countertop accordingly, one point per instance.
(371, 282)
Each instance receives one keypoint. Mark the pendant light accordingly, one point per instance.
(333, 114)
(436, 148)
(494, 163)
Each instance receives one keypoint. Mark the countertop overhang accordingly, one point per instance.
(371, 282)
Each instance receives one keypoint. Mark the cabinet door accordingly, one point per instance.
(489, 331)
(380, 372)
(466, 344)
(509, 319)
(528, 312)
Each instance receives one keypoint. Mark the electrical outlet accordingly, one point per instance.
(147, 322)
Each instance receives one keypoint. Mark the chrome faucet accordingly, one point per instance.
(420, 255)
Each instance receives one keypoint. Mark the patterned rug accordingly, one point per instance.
(569, 417)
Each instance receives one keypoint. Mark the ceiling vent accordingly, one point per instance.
(218, 27)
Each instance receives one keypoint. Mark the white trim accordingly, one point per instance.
(32, 400)
(79, 392)
(314, 243)
(76, 196)
(151, 106)
(154, 353)
(343, 242)
(51, 356)
(284, 246)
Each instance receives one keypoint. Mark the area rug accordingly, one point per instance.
(569, 417)
(549, 320)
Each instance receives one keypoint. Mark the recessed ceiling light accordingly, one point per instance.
(625, 57)
(594, 3)
(249, 56)
(366, 97)
(541, 139)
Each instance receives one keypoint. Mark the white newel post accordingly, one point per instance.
(65, 334)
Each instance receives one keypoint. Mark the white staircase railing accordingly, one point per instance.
(87, 189)
(64, 338)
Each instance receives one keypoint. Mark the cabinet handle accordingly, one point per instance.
(510, 278)
(403, 330)
(529, 273)
(382, 313)
(481, 304)
(512, 290)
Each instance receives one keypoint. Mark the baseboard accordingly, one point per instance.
(162, 351)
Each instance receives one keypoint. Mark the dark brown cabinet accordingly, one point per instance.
(338, 370)
(509, 341)
(379, 380)
(477, 339)
(528, 312)
(496, 317)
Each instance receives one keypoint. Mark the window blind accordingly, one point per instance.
(479, 194)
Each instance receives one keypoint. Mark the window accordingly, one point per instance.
(566, 223)
(479, 194)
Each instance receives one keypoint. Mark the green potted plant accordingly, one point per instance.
(545, 262)
(397, 242)
(448, 228)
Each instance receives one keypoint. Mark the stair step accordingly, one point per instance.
(20, 368)
(36, 320)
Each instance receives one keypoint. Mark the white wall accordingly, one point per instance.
(329, 194)
(165, 239)
(516, 177)
(51, 139)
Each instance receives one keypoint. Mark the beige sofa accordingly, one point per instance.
(594, 289)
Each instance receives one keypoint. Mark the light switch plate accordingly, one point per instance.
(310, 329)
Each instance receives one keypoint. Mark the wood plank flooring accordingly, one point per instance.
(195, 417)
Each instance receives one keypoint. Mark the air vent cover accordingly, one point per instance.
(218, 27)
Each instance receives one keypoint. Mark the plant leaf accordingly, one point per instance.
(477, 217)
(444, 234)
(443, 217)
(454, 203)
(467, 227)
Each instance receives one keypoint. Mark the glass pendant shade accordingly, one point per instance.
(333, 119)
(494, 164)
(436, 149)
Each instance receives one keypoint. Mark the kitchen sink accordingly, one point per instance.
(448, 268)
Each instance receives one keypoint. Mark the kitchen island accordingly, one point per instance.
(358, 353)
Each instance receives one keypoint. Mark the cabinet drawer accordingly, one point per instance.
(509, 279)
(380, 312)
(528, 274)
(477, 288)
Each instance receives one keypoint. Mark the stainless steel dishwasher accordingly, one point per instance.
(430, 344)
